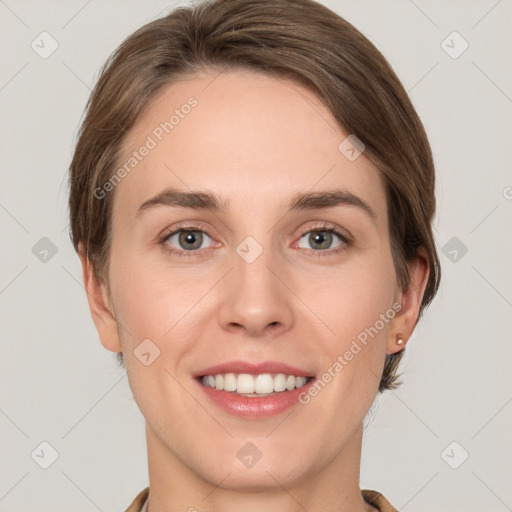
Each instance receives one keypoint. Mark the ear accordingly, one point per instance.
(101, 311)
(402, 325)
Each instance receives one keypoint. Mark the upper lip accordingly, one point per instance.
(253, 368)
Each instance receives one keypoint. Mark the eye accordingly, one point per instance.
(187, 241)
(321, 239)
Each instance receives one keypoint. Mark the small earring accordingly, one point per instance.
(399, 339)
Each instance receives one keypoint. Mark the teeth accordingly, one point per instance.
(291, 382)
(280, 382)
(230, 382)
(263, 384)
(253, 385)
(245, 383)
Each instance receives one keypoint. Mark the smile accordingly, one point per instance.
(246, 384)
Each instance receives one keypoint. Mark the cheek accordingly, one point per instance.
(156, 302)
(358, 309)
(150, 300)
(156, 306)
(355, 298)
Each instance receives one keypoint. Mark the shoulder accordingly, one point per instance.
(378, 500)
(139, 501)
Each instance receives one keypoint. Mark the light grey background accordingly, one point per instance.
(59, 385)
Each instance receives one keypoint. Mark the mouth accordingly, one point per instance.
(254, 386)
(253, 390)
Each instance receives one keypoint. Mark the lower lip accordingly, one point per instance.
(257, 407)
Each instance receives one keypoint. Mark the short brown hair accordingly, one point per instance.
(300, 40)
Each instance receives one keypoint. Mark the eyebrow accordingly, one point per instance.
(208, 201)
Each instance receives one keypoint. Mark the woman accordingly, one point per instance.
(251, 198)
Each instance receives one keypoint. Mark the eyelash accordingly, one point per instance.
(322, 228)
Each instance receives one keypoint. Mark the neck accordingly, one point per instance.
(174, 486)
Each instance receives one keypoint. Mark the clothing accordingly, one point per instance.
(375, 498)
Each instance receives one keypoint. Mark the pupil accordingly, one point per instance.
(191, 238)
(322, 238)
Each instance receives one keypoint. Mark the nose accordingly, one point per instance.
(256, 300)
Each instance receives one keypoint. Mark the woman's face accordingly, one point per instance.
(257, 280)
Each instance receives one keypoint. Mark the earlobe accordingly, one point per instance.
(101, 311)
(402, 326)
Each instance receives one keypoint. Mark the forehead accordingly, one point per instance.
(248, 136)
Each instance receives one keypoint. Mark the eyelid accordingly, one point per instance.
(182, 226)
(325, 225)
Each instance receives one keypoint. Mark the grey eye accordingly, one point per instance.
(188, 240)
(320, 239)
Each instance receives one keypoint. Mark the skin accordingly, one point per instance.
(256, 141)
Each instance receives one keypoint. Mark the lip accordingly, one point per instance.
(257, 407)
(254, 369)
